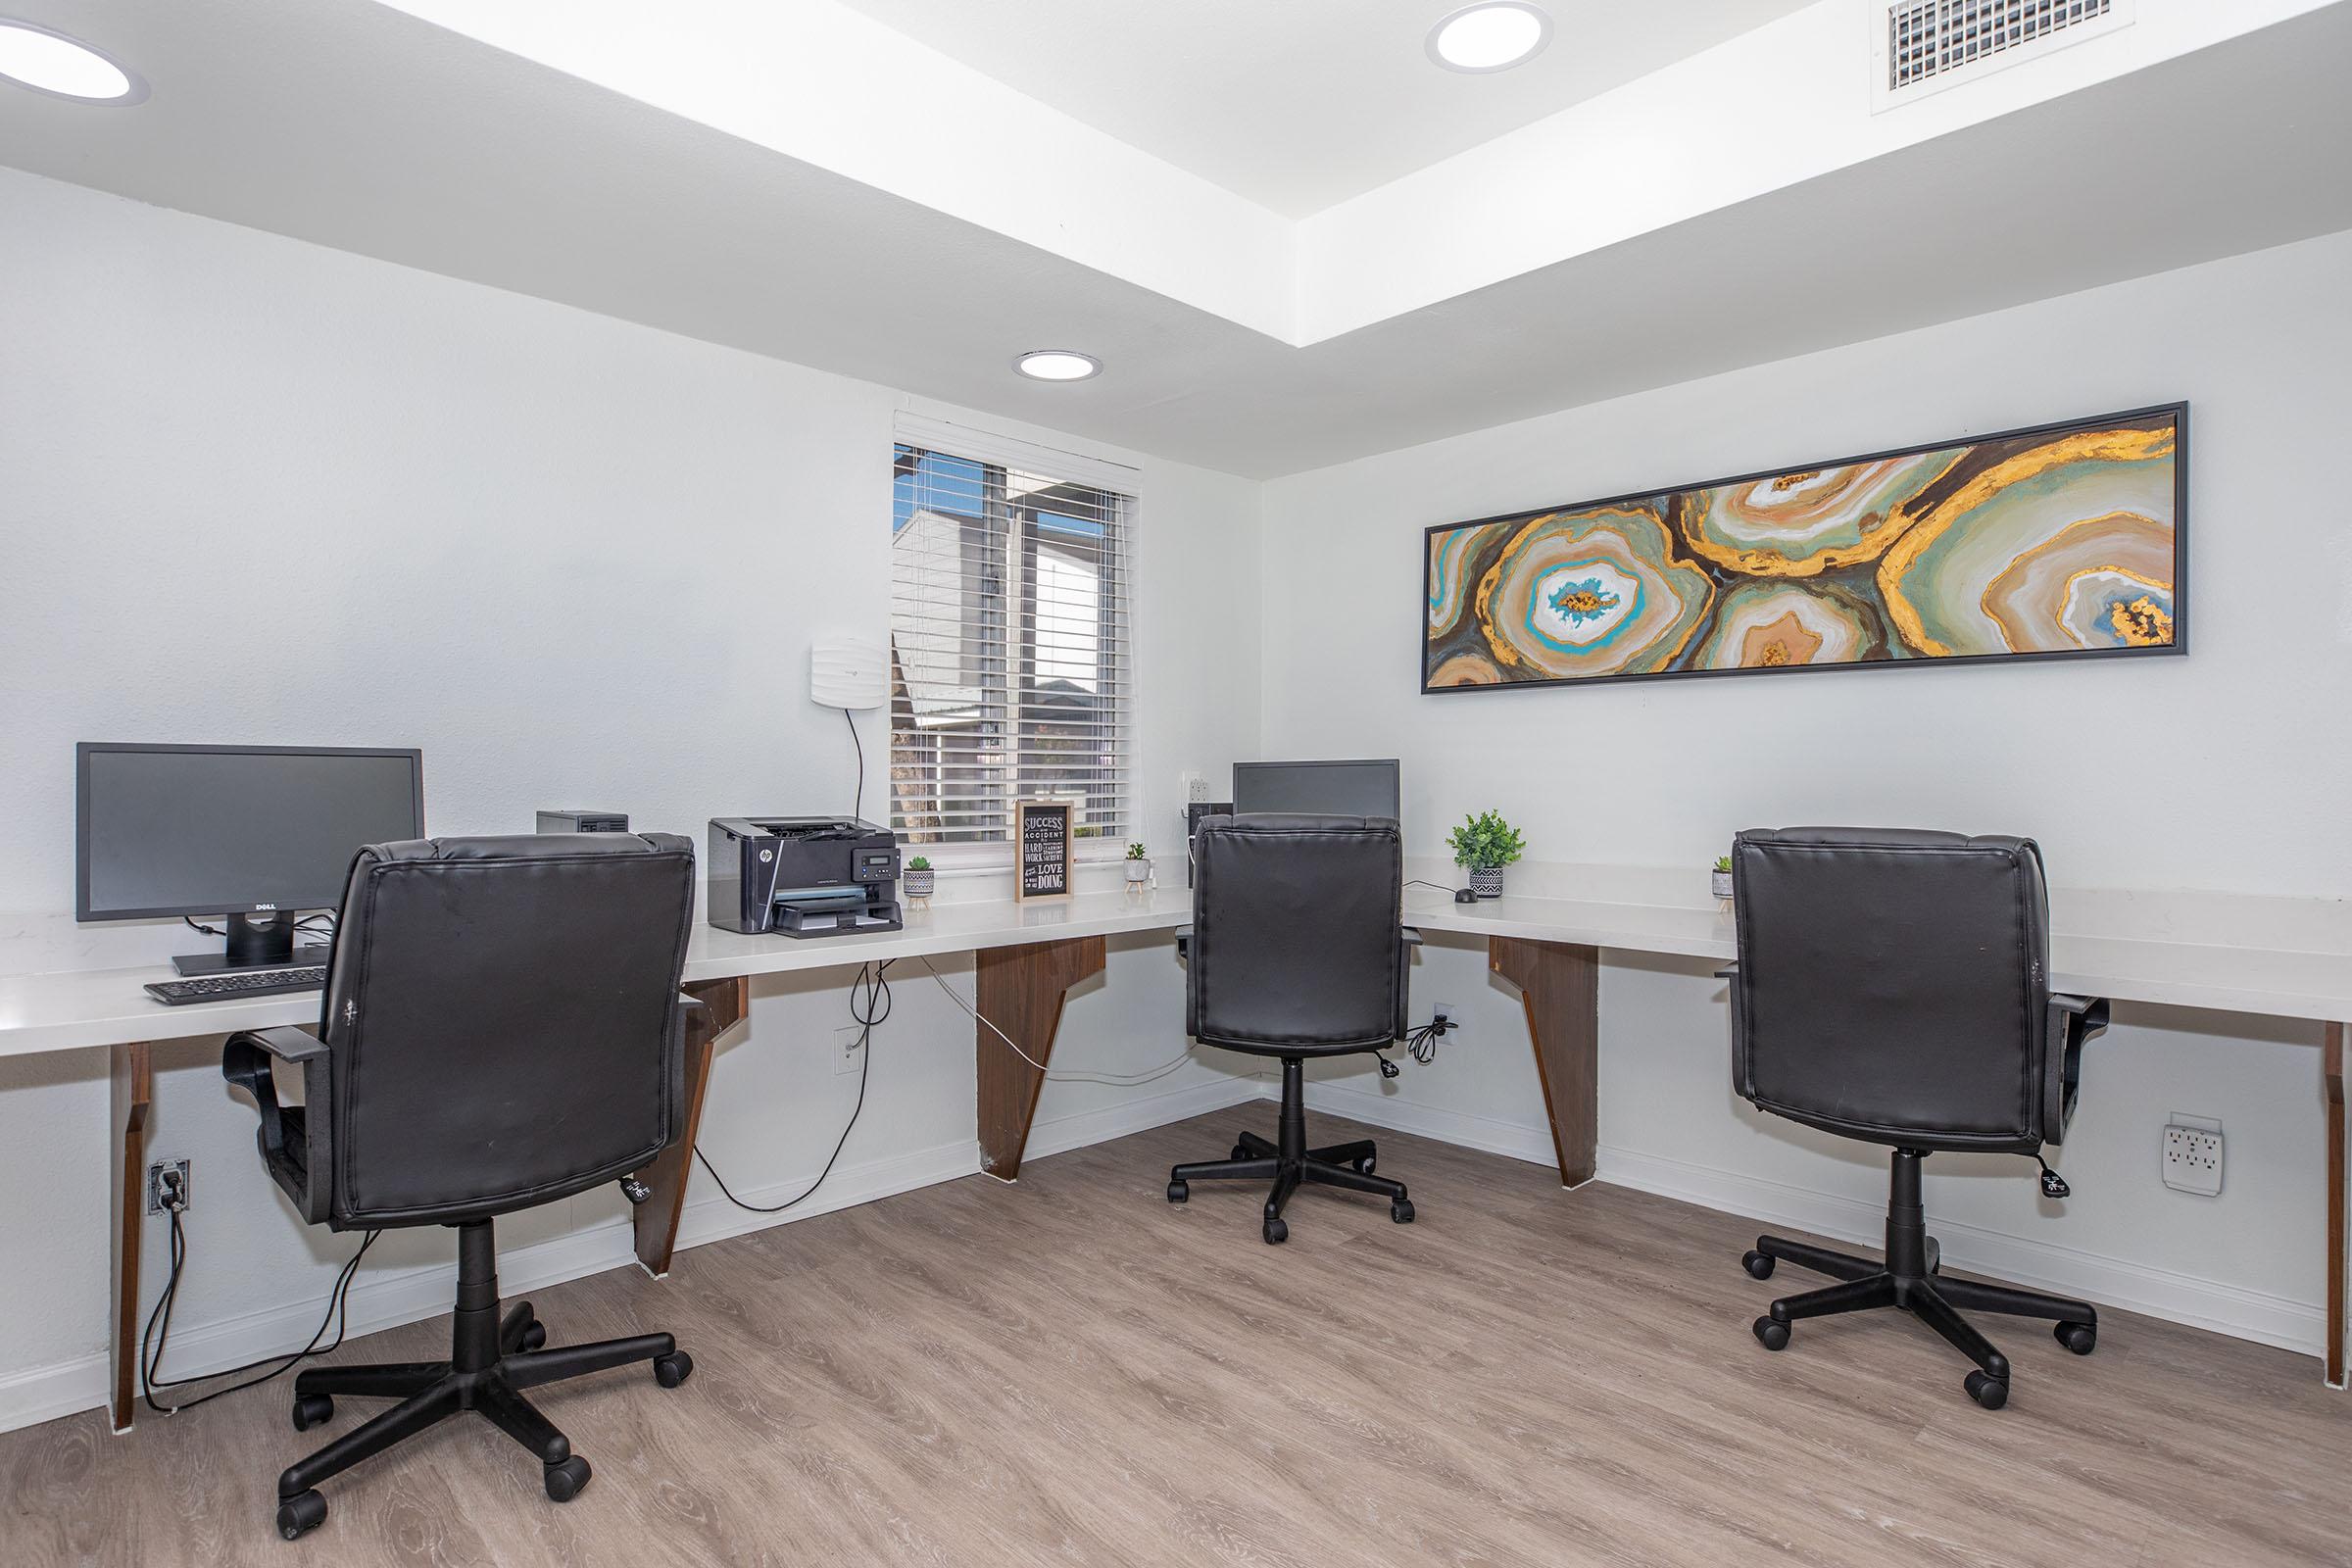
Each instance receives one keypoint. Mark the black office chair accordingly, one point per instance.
(1297, 950)
(1893, 985)
(502, 1028)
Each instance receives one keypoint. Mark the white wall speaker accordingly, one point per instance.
(848, 672)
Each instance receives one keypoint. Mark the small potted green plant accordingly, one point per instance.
(1139, 868)
(1722, 876)
(918, 876)
(1484, 845)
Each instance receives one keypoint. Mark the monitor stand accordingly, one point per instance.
(255, 942)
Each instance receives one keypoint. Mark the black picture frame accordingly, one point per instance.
(2178, 411)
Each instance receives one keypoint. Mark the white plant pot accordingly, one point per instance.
(1139, 873)
(1723, 883)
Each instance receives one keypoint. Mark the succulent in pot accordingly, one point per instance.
(1139, 867)
(1720, 876)
(1483, 846)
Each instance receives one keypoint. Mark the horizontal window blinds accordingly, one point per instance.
(1011, 644)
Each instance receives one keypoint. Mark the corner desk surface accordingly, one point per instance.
(2278, 957)
(2280, 972)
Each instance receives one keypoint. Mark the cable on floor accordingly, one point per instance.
(873, 983)
(158, 1329)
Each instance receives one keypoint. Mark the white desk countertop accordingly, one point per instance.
(2282, 957)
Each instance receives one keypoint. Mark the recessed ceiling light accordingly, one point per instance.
(32, 56)
(1058, 365)
(1492, 36)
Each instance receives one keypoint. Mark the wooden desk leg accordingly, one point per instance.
(1021, 990)
(656, 1219)
(1559, 984)
(130, 1085)
(2338, 1267)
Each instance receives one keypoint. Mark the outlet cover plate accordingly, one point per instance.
(849, 1048)
(2192, 1155)
(155, 1185)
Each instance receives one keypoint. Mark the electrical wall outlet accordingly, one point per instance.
(2192, 1155)
(179, 1169)
(849, 1048)
(1457, 1019)
(1195, 785)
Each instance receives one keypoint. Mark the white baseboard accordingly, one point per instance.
(2022, 1260)
(1459, 1128)
(406, 1296)
(1136, 1116)
(2035, 1264)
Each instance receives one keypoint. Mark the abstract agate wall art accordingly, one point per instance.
(2062, 541)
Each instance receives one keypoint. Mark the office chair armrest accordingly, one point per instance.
(246, 1060)
(1730, 971)
(2072, 1020)
(688, 1003)
(1410, 935)
(1184, 942)
(286, 1041)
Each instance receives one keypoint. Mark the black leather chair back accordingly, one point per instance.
(1296, 943)
(1893, 985)
(502, 1021)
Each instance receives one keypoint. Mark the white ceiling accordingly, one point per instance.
(1301, 104)
(355, 126)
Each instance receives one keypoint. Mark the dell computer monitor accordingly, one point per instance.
(255, 834)
(1323, 789)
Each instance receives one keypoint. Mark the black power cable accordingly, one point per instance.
(159, 1331)
(874, 1009)
(859, 809)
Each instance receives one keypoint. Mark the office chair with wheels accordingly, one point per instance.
(502, 1028)
(1296, 950)
(1893, 985)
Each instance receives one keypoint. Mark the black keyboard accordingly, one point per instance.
(237, 983)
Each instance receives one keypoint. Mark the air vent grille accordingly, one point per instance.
(1929, 38)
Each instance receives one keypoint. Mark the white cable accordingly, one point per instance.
(957, 997)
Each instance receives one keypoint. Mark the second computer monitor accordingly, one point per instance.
(1359, 787)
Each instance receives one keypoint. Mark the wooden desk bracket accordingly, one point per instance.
(1560, 986)
(1021, 990)
(656, 1220)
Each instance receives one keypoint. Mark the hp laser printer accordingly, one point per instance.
(804, 876)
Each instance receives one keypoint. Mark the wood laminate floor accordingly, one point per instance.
(1069, 1371)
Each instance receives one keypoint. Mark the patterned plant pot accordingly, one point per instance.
(1487, 881)
(1723, 883)
(917, 883)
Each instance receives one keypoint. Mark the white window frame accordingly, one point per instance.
(1023, 547)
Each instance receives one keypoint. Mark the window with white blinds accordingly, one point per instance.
(1011, 666)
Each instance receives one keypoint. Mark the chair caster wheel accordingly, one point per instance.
(567, 1480)
(300, 1514)
(1989, 1391)
(2079, 1338)
(672, 1369)
(1772, 1334)
(1178, 1191)
(1365, 1165)
(312, 1411)
(1760, 1265)
(533, 1338)
(1400, 1210)
(1277, 1232)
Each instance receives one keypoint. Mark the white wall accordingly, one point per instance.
(2220, 771)
(261, 491)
